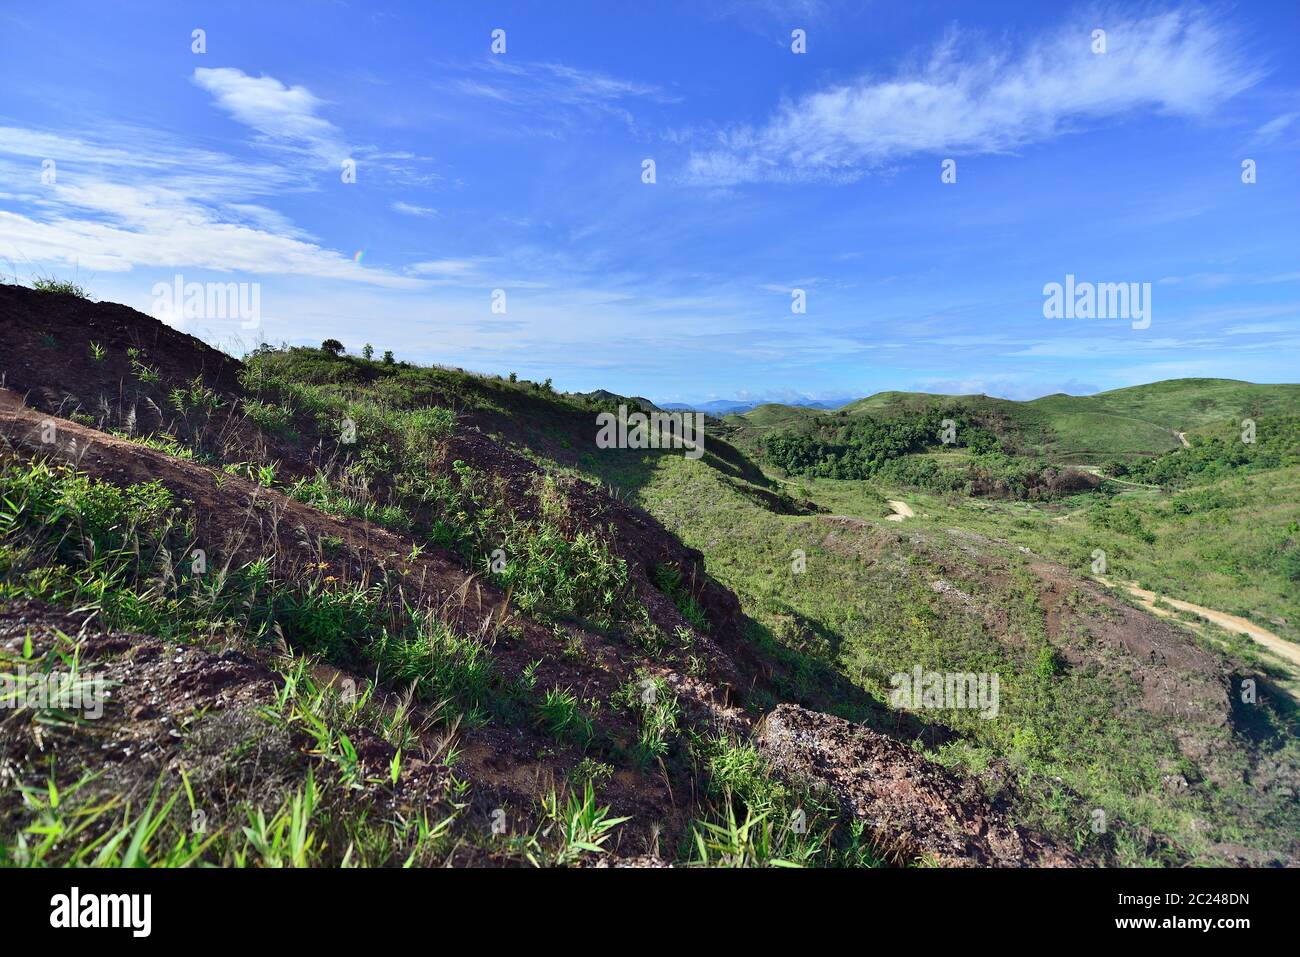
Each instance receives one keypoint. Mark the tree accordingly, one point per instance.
(367, 352)
(388, 357)
(332, 346)
(514, 377)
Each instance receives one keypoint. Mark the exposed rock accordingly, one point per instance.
(914, 809)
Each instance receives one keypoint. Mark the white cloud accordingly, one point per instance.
(444, 268)
(971, 99)
(1123, 345)
(1274, 128)
(553, 91)
(1018, 387)
(150, 234)
(150, 203)
(282, 115)
(411, 209)
(139, 151)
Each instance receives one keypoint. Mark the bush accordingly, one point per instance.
(324, 621)
(1290, 564)
(64, 287)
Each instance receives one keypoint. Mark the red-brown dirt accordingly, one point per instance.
(913, 808)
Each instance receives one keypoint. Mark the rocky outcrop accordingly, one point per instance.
(914, 809)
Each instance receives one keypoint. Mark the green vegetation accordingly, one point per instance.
(1186, 404)
(562, 715)
(858, 447)
(73, 540)
(550, 563)
(65, 287)
(669, 581)
(657, 714)
(1218, 452)
(783, 826)
(942, 445)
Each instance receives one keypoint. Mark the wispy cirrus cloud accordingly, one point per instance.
(284, 116)
(445, 268)
(411, 209)
(287, 119)
(969, 97)
(133, 199)
(554, 91)
(1274, 128)
(774, 18)
(1021, 387)
(107, 227)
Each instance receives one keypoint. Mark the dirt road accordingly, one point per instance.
(1284, 649)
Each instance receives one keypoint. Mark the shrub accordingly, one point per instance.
(327, 621)
(1290, 564)
(64, 287)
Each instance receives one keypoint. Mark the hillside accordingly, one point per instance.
(435, 623)
(1186, 404)
(1069, 430)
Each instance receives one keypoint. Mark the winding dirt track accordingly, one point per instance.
(1287, 650)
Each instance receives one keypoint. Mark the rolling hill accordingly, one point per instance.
(1069, 430)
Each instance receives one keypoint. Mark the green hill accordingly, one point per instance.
(1183, 404)
(896, 401)
(1127, 423)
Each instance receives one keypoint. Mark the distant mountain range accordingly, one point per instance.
(721, 407)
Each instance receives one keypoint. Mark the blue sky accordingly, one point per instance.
(522, 171)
